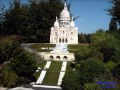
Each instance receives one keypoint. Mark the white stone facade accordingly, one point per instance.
(64, 30)
(57, 56)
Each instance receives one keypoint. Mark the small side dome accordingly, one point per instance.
(72, 24)
(56, 23)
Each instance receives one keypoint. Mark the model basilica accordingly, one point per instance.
(64, 30)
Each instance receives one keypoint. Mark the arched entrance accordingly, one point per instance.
(65, 58)
(58, 57)
(51, 57)
(59, 40)
(62, 40)
(66, 40)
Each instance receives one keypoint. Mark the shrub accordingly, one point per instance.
(91, 86)
(110, 65)
(8, 78)
(22, 81)
(96, 54)
(24, 64)
(92, 70)
(7, 46)
(107, 44)
(77, 66)
(71, 81)
(116, 72)
(82, 53)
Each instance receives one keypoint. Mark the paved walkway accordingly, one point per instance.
(43, 73)
(46, 86)
(62, 72)
(47, 65)
(64, 64)
(20, 88)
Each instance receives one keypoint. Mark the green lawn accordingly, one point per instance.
(52, 74)
(71, 47)
(41, 64)
(68, 66)
(38, 47)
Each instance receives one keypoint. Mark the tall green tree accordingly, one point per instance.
(12, 18)
(82, 38)
(113, 25)
(115, 10)
(39, 20)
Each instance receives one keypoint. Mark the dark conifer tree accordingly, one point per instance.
(113, 25)
(115, 10)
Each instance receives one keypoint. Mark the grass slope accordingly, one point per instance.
(38, 47)
(40, 64)
(52, 74)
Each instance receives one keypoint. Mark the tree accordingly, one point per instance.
(24, 64)
(105, 43)
(2, 12)
(7, 46)
(40, 18)
(111, 65)
(115, 10)
(116, 72)
(82, 38)
(8, 78)
(13, 18)
(93, 70)
(71, 81)
(82, 53)
(113, 25)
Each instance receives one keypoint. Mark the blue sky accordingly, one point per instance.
(92, 14)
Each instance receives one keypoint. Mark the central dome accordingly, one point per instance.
(65, 15)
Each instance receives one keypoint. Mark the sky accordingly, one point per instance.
(92, 14)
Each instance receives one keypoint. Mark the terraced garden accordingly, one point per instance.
(47, 47)
(42, 47)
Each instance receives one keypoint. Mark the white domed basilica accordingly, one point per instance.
(64, 30)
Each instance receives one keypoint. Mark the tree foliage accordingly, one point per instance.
(7, 47)
(82, 53)
(116, 71)
(92, 70)
(31, 21)
(115, 10)
(39, 20)
(111, 65)
(71, 81)
(84, 38)
(24, 64)
(13, 18)
(113, 25)
(20, 69)
(8, 78)
(105, 43)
